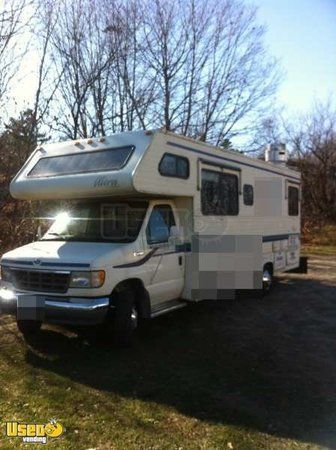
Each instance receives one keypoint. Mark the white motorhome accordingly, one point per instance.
(153, 221)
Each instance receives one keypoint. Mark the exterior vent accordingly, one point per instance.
(276, 154)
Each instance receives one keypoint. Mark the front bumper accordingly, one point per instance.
(67, 310)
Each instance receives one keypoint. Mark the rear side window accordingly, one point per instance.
(248, 194)
(97, 161)
(159, 224)
(219, 193)
(293, 201)
(174, 166)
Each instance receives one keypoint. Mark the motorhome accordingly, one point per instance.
(150, 221)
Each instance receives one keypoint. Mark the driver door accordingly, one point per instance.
(167, 278)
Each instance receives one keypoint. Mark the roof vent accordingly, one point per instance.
(276, 154)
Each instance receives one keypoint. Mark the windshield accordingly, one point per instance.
(98, 222)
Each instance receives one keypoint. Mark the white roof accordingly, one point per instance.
(44, 176)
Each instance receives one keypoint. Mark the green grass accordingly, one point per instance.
(326, 250)
(320, 241)
(196, 379)
(206, 377)
(323, 236)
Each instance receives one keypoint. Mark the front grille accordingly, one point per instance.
(33, 280)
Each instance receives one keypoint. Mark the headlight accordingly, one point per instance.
(6, 274)
(93, 279)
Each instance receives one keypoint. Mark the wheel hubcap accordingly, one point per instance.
(267, 280)
(134, 318)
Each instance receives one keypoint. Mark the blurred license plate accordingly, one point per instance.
(30, 307)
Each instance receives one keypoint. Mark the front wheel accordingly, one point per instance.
(29, 327)
(126, 318)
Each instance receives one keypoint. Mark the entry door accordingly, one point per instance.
(167, 279)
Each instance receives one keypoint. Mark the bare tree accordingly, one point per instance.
(11, 24)
(165, 54)
(268, 128)
(80, 60)
(196, 67)
(213, 73)
(313, 140)
(131, 88)
(39, 32)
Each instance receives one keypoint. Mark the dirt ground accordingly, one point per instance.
(260, 373)
(292, 346)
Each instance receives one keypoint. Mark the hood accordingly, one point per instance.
(60, 254)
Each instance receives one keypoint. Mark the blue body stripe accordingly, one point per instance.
(223, 158)
(49, 264)
(12, 261)
(137, 263)
(278, 237)
(43, 264)
(183, 248)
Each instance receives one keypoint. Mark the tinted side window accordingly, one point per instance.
(219, 193)
(248, 194)
(174, 166)
(293, 201)
(159, 224)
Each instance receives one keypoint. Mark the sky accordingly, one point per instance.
(302, 34)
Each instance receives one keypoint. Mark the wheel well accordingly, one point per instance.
(269, 266)
(142, 299)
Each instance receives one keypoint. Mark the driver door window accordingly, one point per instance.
(159, 224)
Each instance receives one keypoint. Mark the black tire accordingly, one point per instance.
(268, 279)
(29, 327)
(125, 318)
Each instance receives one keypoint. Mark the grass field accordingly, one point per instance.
(319, 250)
(323, 235)
(250, 374)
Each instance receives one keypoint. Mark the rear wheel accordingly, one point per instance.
(268, 281)
(29, 327)
(126, 318)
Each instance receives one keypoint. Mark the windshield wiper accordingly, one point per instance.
(62, 237)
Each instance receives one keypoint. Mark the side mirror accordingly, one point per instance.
(176, 232)
(175, 236)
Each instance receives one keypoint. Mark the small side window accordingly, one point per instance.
(293, 201)
(174, 166)
(159, 224)
(248, 194)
